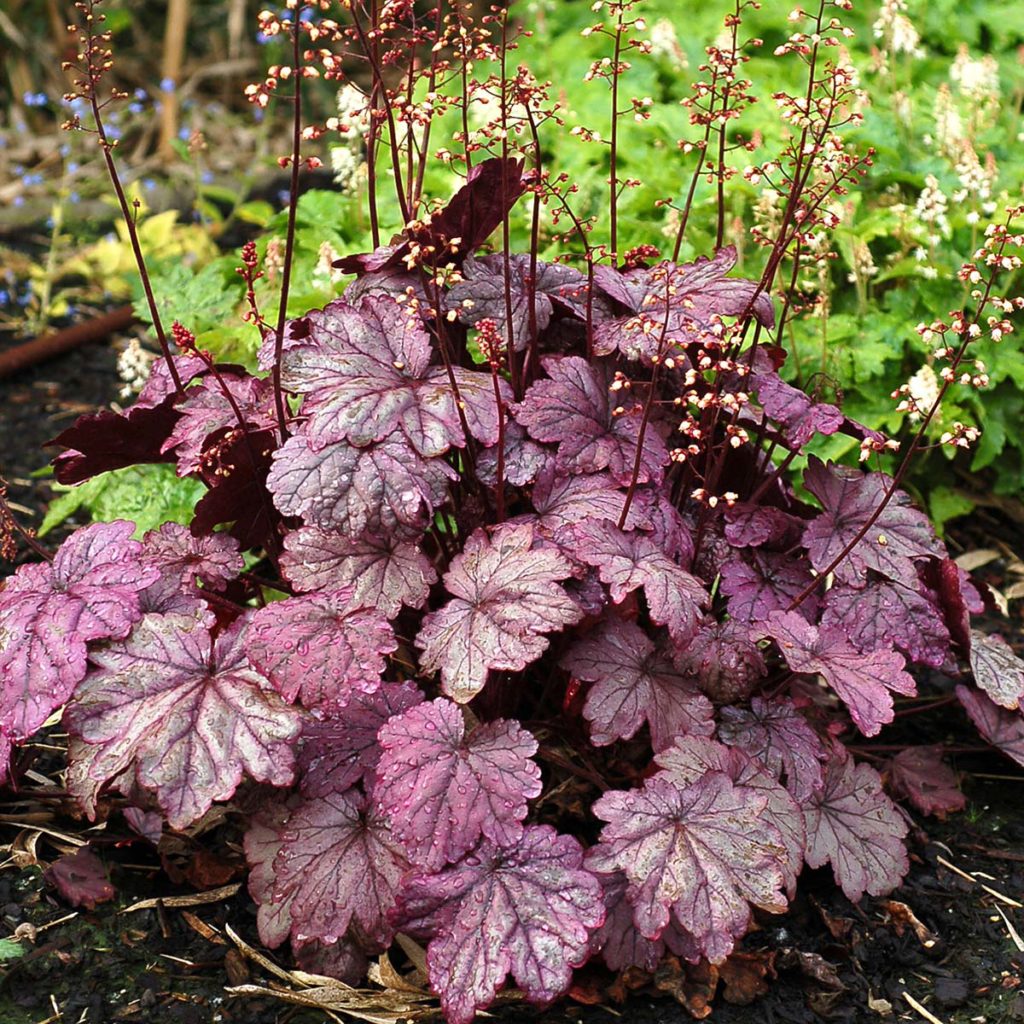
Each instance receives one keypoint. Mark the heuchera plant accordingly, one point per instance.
(552, 656)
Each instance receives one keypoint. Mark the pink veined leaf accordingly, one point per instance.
(888, 614)
(342, 748)
(689, 758)
(481, 294)
(524, 458)
(800, 417)
(350, 489)
(205, 409)
(864, 682)
(997, 669)
(385, 570)
(561, 501)
(921, 776)
(701, 854)
(628, 561)
(319, 647)
(160, 385)
(849, 498)
(187, 711)
(364, 373)
(677, 303)
(1003, 729)
(855, 827)
(526, 911)
(572, 407)
(442, 789)
(49, 612)
(763, 582)
(183, 559)
(338, 864)
(724, 660)
(505, 597)
(81, 879)
(262, 844)
(633, 681)
(778, 736)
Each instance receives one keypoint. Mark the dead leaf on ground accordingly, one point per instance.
(903, 917)
(746, 976)
(81, 879)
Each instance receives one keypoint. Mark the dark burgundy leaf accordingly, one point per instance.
(997, 669)
(320, 647)
(205, 410)
(628, 561)
(102, 441)
(186, 711)
(776, 734)
(886, 614)
(573, 408)
(384, 570)
(527, 910)
(764, 582)
(237, 478)
(862, 680)
(700, 854)
(563, 500)
(849, 498)
(338, 864)
(353, 489)
(1003, 729)
(49, 612)
(724, 660)
(343, 960)
(671, 305)
(855, 827)
(921, 776)
(341, 748)
(505, 597)
(81, 879)
(752, 526)
(632, 682)
(442, 789)
(800, 417)
(481, 294)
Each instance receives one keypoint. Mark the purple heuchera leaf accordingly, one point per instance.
(633, 681)
(183, 560)
(724, 660)
(262, 844)
(572, 408)
(691, 757)
(997, 669)
(751, 526)
(921, 776)
(343, 960)
(694, 294)
(160, 385)
(338, 864)
(527, 910)
(442, 789)
(385, 570)
(1003, 729)
(205, 409)
(352, 489)
(886, 614)
(49, 612)
(778, 736)
(800, 417)
(481, 294)
(763, 582)
(628, 561)
(524, 459)
(563, 500)
(341, 748)
(81, 879)
(700, 854)
(319, 648)
(505, 596)
(862, 681)
(849, 498)
(187, 711)
(855, 827)
(365, 376)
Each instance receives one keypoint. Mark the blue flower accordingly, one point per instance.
(167, 85)
(140, 94)
(4, 297)
(184, 133)
(136, 108)
(148, 184)
(206, 177)
(262, 38)
(35, 99)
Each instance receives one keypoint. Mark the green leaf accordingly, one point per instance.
(946, 504)
(10, 950)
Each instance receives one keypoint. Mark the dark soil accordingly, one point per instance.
(825, 960)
